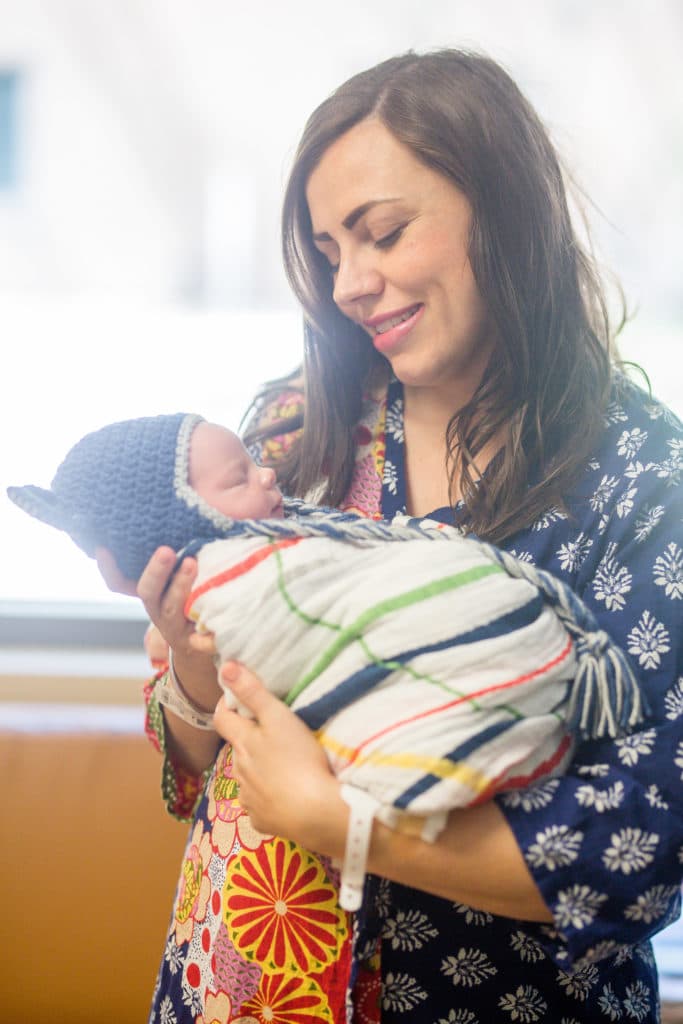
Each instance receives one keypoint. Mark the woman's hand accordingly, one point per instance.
(164, 602)
(203, 643)
(164, 594)
(286, 785)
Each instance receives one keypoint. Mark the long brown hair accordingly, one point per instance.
(546, 385)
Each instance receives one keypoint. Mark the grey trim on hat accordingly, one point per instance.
(181, 476)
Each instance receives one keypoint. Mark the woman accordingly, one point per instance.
(457, 364)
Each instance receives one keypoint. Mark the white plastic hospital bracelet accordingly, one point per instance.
(170, 694)
(362, 810)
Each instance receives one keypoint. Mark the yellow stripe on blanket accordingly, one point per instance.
(441, 767)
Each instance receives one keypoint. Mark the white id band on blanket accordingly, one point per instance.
(362, 810)
(171, 695)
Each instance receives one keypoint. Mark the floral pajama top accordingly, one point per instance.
(256, 934)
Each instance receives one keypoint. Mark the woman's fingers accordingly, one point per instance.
(248, 690)
(203, 643)
(155, 576)
(164, 593)
(112, 575)
(227, 723)
(249, 727)
(277, 756)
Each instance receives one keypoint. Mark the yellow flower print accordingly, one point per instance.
(195, 887)
(281, 909)
(283, 999)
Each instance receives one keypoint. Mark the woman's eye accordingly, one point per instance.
(328, 264)
(386, 241)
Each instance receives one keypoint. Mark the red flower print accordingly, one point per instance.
(281, 909)
(283, 999)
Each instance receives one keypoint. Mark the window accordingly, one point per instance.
(79, 366)
(141, 270)
(9, 92)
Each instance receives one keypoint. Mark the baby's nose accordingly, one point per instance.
(268, 476)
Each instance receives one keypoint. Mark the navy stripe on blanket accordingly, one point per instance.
(427, 781)
(462, 751)
(366, 679)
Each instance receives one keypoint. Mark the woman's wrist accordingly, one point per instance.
(171, 694)
(324, 825)
(193, 702)
(195, 676)
(362, 811)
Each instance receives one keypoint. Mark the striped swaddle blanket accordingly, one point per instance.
(432, 676)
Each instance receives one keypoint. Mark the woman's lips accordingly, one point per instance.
(388, 331)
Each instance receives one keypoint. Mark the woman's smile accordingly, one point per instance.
(388, 330)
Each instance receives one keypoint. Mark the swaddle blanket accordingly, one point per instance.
(435, 672)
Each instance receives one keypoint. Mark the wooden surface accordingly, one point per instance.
(90, 860)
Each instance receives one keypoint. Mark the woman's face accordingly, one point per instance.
(396, 236)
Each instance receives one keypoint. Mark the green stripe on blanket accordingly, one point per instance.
(353, 632)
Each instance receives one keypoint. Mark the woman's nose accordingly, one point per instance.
(355, 279)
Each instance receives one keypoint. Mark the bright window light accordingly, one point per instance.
(9, 91)
(78, 365)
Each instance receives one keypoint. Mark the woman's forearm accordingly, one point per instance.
(475, 861)
(191, 749)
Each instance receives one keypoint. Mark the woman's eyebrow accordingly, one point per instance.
(352, 218)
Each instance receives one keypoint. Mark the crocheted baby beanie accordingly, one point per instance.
(125, 487)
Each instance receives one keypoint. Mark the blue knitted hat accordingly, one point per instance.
(125, 487)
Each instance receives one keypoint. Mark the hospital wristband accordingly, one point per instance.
(170, 694)
(362, 810)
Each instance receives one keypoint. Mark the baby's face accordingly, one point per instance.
(223, 474)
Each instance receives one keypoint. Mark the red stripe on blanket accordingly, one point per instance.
(562, 656)
(501, 784)
(240, 569)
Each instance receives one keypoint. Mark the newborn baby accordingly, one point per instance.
(137, 484)
(435, 670)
